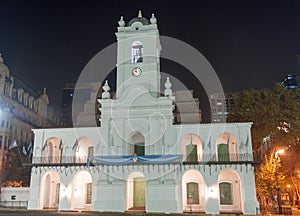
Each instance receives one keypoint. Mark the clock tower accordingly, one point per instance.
(138, 55)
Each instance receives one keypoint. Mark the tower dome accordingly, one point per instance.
(140, 19)
(3, 68)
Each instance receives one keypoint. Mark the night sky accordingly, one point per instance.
(250, 44)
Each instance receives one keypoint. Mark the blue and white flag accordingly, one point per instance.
(24, 151)
(14, 145)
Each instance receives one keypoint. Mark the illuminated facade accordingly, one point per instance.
(138, 159)
(21, 110)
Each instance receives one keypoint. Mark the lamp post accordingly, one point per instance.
(276, 175)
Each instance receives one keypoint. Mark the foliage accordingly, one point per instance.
(13, 168)
(273, 112)
(269, 177)
(13, 184)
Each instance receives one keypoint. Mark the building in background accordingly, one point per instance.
(290, 81)
(21, 110)
(221, 104)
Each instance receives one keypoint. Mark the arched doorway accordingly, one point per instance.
(52, 150)
(50, 188)
(136, 191)
(229, 191)
(137, 144)
(227, 147)
(83, 148)
(191, 148)
(82, 191)
(193, 199)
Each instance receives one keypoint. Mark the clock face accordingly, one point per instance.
(136, 71)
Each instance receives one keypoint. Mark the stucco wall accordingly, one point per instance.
(19, 193)
(15, 197)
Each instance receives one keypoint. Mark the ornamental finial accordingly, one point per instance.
(168, 90)
(121, 22)
(106, 88)
(153, 19)
(140, 14)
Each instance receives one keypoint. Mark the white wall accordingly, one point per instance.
(21, 195)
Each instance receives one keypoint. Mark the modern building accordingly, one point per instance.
(221, 104)
(290, 81)
(21, 109)
(139, 159)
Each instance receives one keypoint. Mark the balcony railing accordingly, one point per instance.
(64, 160)
(199, 159)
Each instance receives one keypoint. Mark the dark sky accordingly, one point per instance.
(250, 44)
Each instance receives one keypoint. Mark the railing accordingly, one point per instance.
(64, 160)
(13, 204)
(199, 159)
(222, 158)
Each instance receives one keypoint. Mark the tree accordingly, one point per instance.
(14, 169)
(269, 179)
(274, 113)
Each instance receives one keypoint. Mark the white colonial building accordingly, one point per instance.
(138, 159)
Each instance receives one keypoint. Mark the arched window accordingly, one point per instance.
(225, 193)
(136, 52)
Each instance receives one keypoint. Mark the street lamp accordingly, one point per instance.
(280, 151)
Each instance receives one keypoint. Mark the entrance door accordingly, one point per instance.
(139, 192)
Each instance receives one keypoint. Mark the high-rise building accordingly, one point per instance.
(221, 104)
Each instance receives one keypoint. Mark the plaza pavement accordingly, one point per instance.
(23, 212)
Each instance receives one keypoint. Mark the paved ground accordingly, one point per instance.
(13, 212)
